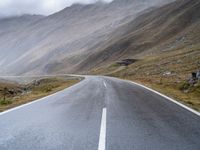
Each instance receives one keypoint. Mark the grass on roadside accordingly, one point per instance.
(21, 94)
(5, 102)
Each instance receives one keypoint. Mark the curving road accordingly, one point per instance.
(100, 113)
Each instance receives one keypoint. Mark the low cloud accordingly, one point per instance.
(43, 7)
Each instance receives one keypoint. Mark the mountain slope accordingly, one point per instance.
(58, 43)
(10, 30)
(166, 46)
(170, 27)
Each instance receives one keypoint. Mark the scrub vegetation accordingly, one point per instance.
(13, 94)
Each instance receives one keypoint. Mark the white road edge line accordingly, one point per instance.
(102, 136)
(30, 103)
(27, 104)
(170, 99)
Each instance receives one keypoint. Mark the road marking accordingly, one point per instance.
(170, 99)
(35, 101)
(27, 104)
(102, 136)
(105, 84)
(158, 93)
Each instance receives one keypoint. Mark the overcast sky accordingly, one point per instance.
(44, 7)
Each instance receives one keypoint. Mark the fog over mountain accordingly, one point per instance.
(42, 7)
(59, 43)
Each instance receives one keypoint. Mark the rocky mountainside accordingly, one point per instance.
(59, 43)
(170, 27)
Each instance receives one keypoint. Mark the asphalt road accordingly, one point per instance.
(101, 113)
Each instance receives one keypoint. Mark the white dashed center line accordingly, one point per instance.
(102, 136)
(105, 84)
